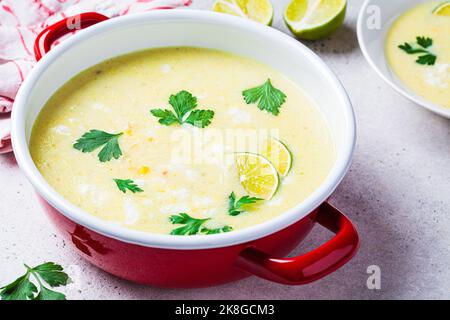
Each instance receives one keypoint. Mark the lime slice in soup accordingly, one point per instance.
(257, 10)
(257, 175)
(279, 155)
(443, 9)
(314, 19)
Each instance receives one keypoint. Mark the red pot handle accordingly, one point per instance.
(49, 35)
(312, 265)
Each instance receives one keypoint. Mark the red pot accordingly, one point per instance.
(173, 261)
(198, 268)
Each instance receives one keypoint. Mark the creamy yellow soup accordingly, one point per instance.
(179, 168)
(429, 81)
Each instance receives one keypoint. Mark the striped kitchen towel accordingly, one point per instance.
(20, 23)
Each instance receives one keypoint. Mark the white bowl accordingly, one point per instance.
(372, 42)
(131, 33)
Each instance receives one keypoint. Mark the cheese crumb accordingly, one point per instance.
(239, 116)
(202, 202)
(100, 107)
(180, 194)
(62, 130)
(96, 196)
(192, 174)
(131, 213)
(174, 209)
(166, 68)
(438, 76)
(275, 202)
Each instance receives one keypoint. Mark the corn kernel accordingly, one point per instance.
(144, 170)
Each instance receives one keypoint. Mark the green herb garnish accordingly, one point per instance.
(216, 231)
(423, 47)
(94, 139)
(235, 207)
(183, 103)
(129, 184)
(200, 118)
(24, 289)
(193, 226)
(267, 96)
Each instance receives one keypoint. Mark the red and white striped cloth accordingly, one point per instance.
(20, 23)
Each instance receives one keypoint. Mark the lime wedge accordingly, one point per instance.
(314, 19)
(279, 155)
(257, 10)
(257, 175)
(443, 9)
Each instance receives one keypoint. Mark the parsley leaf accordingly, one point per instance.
(21, 289)
(216, 231)
(183, 104)
(409, 49)
(47, 294)
(129, 184)
(423, 46)
(428, 59)
(24, 289)
(200, 118)
(424, 42)
(94, 139)
(193, 226)
(235, 207)
(267, 96)
(166, 116)
(52, 274)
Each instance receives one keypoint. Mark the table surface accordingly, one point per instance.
(396, 192)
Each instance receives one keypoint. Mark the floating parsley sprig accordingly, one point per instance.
(24, 289)
(94, 139)
(423, 46)
(267, 96)
(183, 103)
(235, 208)
(129, 184)
(216, 231)
(193, 226)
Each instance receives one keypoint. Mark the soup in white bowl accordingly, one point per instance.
(418, 50)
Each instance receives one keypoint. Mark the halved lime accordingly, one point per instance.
(315, 19)
(443, 9)
(279, 155)
(257, 175)
(257, 10)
